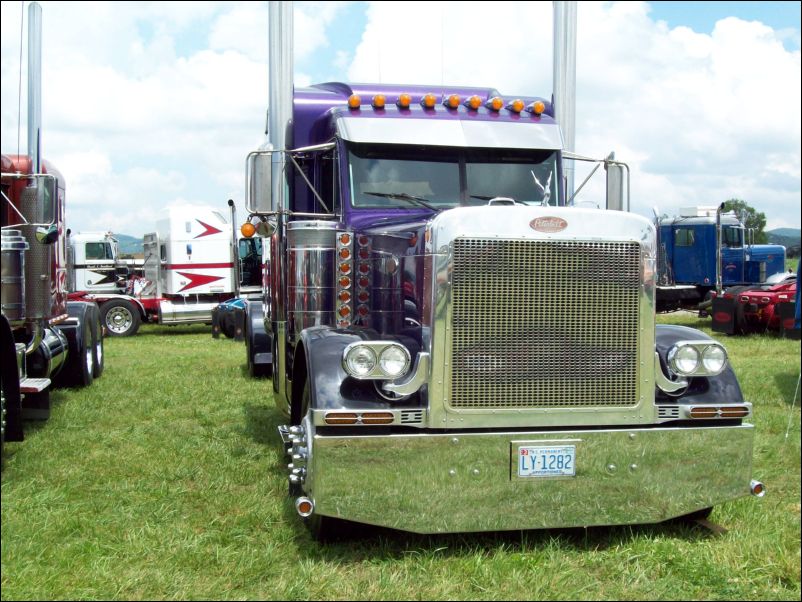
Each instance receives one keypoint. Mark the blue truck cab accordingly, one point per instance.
(688, 251)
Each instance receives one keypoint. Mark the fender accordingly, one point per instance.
(102, 298)
(258, 341)
(72, 329)
(723, 388)
(319, 355)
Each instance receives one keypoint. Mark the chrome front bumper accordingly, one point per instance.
(464, 482)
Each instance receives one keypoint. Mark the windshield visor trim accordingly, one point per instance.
(459, 133)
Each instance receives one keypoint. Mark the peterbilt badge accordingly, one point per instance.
(548, 224)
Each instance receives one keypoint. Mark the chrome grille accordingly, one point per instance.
(540, 324)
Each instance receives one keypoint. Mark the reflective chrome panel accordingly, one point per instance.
(451, 132)
(462, 481)
(541, 325)
(311, 251)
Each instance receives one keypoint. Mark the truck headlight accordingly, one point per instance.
(697, 358)
(360, 361)
(394, 361)
(714, 358)
(379, 360)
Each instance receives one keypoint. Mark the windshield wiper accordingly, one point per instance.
(403, 196)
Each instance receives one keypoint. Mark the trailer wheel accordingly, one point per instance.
(98, 362)
(120, 318)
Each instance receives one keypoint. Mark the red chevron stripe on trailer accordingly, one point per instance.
(196, 280)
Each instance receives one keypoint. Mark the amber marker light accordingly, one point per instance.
(341, 418)
(379, 101)
(345, 238)
(537, 107)
(247, 229)
(704, 412)
(452, 101)
(734, 412)
(495, 104)
(516, 106)
(354, 101)
(377, 418)
(345, 253)
(429, 101)
(404, 100)
(345, 282)
(473, 102)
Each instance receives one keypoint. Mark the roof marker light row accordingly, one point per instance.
(452, 101)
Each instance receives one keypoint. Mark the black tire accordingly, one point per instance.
(120, 318)
(98, 356)
(692, 517)
(83, 376)
(254, 369)
(274, 363)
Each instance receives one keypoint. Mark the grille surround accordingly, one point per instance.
(540, 324)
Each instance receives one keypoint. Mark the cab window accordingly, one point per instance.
(98, 250)
(683, 237)
(732, 237)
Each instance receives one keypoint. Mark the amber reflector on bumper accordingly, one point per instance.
(341, 418)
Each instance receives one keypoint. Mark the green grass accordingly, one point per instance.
(165, 480)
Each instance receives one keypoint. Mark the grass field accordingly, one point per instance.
(165, 480)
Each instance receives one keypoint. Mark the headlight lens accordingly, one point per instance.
(360, 360)
(685, 359)
(714, 359)
(697, 358)
(393, 361)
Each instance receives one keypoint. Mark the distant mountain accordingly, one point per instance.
(788, 237)
(129, 245)
(786, 232)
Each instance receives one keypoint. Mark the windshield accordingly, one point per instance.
(444, 177)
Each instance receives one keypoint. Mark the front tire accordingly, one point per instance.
(86, 354)
(98, 360)
(120, 318)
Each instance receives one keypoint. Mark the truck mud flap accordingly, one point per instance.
(724, 313)
(787, 312)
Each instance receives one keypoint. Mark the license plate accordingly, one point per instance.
(547, 461)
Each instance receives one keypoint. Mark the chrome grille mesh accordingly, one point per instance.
(539, 324)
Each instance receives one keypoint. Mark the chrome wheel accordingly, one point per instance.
(119, 320)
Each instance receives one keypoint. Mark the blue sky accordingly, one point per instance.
(702, 16)
(150, 104)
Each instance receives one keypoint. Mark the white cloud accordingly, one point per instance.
(149, 103)
(700, 118)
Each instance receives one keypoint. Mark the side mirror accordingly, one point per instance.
(47, 235)
(258, 170)
(615, 186)
(266, 228)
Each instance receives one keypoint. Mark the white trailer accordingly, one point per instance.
(194, 261)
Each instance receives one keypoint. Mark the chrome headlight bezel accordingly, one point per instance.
(380, 350)
(707, 355)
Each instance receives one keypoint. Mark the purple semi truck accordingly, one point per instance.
(454, 348)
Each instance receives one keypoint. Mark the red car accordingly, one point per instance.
(743, 309)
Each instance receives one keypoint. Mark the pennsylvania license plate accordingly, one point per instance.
(547, 461)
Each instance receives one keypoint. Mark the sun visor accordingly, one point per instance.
(451, 132)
